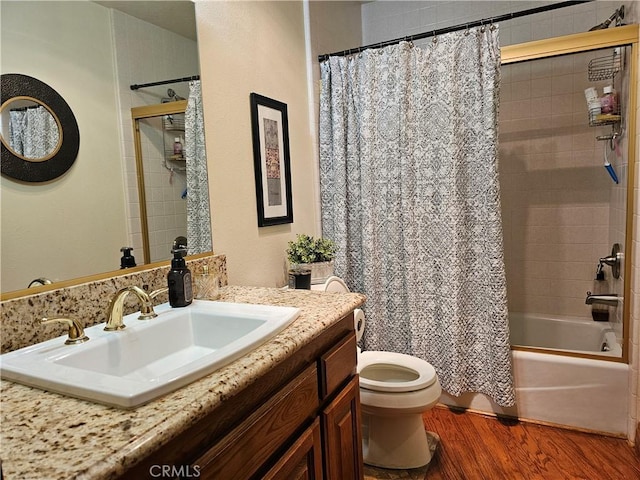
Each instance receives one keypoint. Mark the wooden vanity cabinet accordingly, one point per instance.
(301, 420)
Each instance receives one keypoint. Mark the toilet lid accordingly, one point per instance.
(394, 372)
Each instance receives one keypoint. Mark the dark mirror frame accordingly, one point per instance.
(19, 168)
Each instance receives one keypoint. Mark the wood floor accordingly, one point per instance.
(474, 446)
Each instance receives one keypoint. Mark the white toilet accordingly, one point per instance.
(395, 390)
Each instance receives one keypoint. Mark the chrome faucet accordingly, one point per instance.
(611, 299)
(117, 306)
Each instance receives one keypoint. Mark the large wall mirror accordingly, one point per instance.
(90, 53)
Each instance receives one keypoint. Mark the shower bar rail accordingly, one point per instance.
(165, 82)
(454, 28)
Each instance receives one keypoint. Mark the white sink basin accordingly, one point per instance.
(149, 358)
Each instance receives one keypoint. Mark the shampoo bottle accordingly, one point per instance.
(609, 102)
(177, 146)
(179, 279)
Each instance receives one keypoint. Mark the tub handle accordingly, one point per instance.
(614, 260)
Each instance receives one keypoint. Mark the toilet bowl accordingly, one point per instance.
(395, 390)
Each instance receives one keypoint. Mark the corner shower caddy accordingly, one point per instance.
(601, 69)
(173, 126)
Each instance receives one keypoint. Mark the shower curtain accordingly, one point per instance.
(198, 215)
(410, 194)
(33, 132)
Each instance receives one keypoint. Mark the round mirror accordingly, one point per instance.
(29, 129)
(40, 137)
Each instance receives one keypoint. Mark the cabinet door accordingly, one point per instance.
(247, 448)
(343, 435)
(303, 461)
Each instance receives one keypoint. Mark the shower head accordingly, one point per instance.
(618, 15)
(173, 95)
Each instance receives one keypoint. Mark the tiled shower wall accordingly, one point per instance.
(558, 214)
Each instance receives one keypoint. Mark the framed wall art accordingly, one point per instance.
(272, 165)
(40, 136)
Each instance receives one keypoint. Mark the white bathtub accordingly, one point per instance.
(570, 391)
(563, 333)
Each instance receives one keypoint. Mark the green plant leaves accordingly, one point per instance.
(306, 249)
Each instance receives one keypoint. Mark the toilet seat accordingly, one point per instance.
(394, 372)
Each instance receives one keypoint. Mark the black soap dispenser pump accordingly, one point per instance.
(127, 260)
(179, 277)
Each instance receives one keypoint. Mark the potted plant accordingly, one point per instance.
(315, 254)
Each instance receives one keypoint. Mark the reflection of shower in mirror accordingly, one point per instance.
(173, 95)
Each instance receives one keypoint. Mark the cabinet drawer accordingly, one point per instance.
(249, 445)
(337, 365)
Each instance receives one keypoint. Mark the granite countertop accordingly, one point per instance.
(46, 436)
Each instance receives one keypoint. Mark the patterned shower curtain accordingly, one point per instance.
(410, 193)
(33, 132)
(198, 216)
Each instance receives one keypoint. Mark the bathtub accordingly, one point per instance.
(569, 391)
(574, 334)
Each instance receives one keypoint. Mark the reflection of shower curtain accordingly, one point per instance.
(409, 188)
(33, 132)
(198, 216)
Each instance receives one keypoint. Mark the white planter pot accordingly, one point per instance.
(320, 271)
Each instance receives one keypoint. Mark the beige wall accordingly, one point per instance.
(250, 47)
(72, 225)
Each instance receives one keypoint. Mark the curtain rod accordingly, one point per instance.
(454, 28)
(165, 82)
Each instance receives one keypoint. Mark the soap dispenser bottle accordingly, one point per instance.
(179, 277)
(127, 260)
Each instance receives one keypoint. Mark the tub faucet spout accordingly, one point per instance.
(611, 299)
